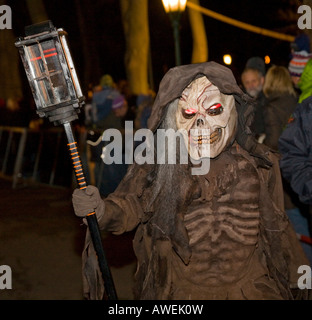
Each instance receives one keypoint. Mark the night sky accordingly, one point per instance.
(106, 33)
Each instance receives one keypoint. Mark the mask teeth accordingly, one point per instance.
(204, 139)
(212, 140)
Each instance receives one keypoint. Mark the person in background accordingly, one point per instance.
(295, 145)
(300, 66)
(290, 143)
(109, 176)
(305, 83)
(120, 109)
(253, 79)
(280, 102)
(144, 103)
(99, 116)
(102, 100)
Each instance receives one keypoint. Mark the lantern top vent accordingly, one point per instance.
(34, 29)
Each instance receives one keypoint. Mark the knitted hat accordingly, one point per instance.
(118, 102)
(302, 42)
(298, 63)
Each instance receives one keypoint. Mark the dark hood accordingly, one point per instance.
(178, 78)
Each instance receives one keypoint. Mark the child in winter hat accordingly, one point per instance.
(300, 57)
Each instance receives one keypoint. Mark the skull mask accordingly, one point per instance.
(207, 119)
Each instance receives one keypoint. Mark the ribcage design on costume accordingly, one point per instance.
(223, 231)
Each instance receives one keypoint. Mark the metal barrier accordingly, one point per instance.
(34, 156)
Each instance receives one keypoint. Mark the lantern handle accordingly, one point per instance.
(91, 217)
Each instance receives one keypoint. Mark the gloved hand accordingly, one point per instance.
(86, 201)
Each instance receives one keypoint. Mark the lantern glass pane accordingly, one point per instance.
(47, 73)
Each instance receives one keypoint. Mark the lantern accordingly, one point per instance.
(55, 87)
(51, 73)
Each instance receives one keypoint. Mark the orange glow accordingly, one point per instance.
(47, 55)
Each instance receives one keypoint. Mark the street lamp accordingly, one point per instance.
(174, 8)
(56, 90)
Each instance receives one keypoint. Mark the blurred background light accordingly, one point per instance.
(227, 59)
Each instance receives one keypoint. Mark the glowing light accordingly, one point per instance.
(227, 59)
(267, 59)
(174, 5)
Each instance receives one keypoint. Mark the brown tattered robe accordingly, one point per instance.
(223, 235)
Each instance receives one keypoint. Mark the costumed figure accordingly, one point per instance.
(219, 235)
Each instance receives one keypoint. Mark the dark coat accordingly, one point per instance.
(277, 111)
(295, 145)
(257, 126)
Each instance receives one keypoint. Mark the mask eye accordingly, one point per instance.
(215, 109)
(189, 113)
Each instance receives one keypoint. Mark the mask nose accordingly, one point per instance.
(200, 122)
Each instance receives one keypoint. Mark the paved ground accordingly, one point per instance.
(41, 240)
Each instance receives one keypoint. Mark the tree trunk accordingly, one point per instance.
(200, 45)
(135, 23)
(91, 64)
(36, 11)
(10, 81)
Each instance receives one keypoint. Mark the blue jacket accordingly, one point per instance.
(102, 103)
(295, 145)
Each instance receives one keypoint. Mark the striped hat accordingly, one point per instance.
(298, 62)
